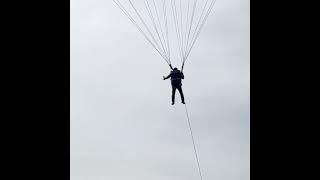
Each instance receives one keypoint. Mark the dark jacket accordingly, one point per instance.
(176, 77)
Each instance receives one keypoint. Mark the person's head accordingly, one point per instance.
(175, 68)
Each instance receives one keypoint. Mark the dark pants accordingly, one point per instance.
(174, 92)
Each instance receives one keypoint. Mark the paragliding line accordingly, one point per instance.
(142, 32)
(194, 146)
(201, 26)
(155, 26)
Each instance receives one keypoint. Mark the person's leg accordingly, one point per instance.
(173, 93)
(181, 94)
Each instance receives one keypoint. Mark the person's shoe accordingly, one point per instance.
(172, 103)
(183, 102)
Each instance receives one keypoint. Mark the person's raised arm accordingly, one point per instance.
(170, 66)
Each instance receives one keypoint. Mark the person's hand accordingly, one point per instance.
(164, 78)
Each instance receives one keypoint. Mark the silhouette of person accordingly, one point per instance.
(176, 77)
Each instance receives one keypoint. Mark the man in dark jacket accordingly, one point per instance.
(176, 77)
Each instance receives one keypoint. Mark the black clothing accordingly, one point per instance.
(174, 92)
(176, 77)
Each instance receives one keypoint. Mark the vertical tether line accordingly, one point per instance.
(194, 146)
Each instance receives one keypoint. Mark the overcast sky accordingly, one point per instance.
(123, 126)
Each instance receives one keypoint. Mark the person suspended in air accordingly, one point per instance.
(176, 83)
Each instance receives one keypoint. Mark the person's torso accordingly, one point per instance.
(176, 77)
